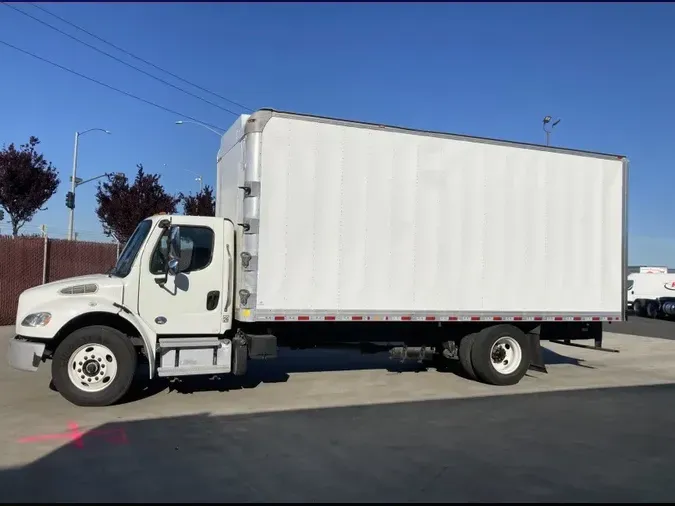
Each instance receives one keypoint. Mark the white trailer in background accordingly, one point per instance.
(330, 232)
(653, 270)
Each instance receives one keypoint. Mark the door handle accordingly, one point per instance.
(229, 278)
(212, 300)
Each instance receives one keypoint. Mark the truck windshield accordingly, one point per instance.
(126, 259)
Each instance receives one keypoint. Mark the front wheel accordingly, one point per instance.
(94, 366)
(500, 355)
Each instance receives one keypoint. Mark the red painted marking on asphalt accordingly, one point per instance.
(76, 436)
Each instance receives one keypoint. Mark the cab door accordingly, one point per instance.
(195, 300)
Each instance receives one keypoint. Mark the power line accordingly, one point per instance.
(158, 106)
(129, 53)
(120, 60)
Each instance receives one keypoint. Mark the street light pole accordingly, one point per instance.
(547, 120)
(71, 214)
(73, 183)
(219, 134)
(183, 122)
(198, 178)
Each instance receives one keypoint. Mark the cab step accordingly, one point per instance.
(187, 356)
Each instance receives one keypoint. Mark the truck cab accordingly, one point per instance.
(170, 291)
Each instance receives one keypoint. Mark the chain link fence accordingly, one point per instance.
(29, 261)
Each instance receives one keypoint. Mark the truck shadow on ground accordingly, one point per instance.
(388, 453)
(554, 358)
(301, 361)
(272, 371)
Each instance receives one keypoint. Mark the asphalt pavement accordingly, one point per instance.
(336, 426)
(579, 446)
(636, 326)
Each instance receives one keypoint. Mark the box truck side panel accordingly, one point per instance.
(357, 220)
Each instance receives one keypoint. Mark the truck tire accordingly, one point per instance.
(639, 308)
(652, 309)
(94, 366)
(465, 347)
(501, 355)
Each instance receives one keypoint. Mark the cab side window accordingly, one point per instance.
(196, 250)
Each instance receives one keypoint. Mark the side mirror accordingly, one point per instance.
(173, 258)
(174, 247)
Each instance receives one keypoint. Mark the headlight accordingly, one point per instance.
(36, 320)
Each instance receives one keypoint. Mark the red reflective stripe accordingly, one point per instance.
(453, 318)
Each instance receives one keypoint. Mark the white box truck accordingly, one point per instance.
(330, 232)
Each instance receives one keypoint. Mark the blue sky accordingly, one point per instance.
(490, 70)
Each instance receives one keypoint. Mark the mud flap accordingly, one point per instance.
(537, 354)
(239, 356)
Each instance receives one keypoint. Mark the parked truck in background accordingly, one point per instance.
(435, 246)
(651, 294)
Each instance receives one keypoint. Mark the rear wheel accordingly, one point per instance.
(94, 366)
(465, 347)
(500, 355)
(652, 309)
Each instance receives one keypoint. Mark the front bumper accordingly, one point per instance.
(25, 355)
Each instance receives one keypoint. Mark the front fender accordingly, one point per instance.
(65, 312)
(148, 336)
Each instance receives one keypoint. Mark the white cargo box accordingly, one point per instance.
(352, 221)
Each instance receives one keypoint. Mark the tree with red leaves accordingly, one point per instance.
(202, 204)
(121, 207)
(27, 182)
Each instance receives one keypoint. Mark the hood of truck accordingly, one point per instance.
(98, 282)
(56, 295)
